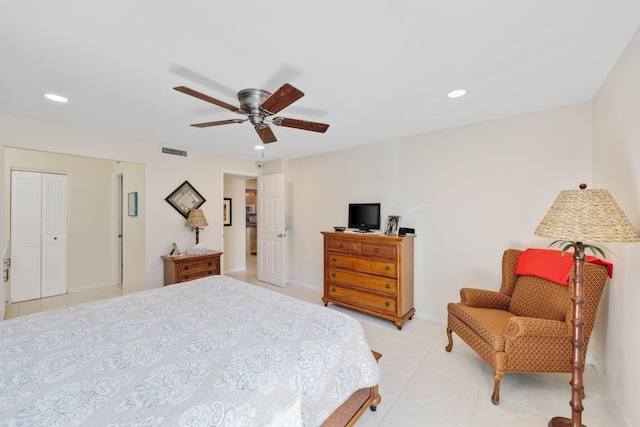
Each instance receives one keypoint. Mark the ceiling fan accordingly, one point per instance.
(258, 105)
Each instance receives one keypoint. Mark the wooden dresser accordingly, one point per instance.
(371, 273)
(188, 267)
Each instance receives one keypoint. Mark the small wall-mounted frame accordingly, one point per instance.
(132, 205)
(226, 212)
(392, 226)
(184, 198)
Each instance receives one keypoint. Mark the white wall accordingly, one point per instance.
(470, 193)
(616, 111)
(163, 173)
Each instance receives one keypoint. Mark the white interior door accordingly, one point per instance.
(38, 235)
(54, 235)
(271, 229)
(26, 243)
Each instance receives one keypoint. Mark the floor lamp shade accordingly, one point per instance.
(575, 218)
(587, 216)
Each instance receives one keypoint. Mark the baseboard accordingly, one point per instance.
(430, 318)
(303, 284)
(90, 287)
(235, 270)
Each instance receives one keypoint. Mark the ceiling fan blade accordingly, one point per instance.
(281, 98)
(218, 123)
(301, 124)
(265, 133)
(207, 98)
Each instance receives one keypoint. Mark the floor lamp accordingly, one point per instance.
(576, 217)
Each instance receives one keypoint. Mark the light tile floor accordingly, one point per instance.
(422, 384)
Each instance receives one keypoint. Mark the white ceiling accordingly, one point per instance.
(374, 70)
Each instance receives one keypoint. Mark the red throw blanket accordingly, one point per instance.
(551, 265)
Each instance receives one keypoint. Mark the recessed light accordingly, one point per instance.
(456, 93)
(54, 97)
(259, 147)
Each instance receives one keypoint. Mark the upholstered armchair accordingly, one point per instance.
(526, 326)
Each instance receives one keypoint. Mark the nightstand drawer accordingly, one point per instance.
(198, 267)
(386, 285)
(363, 298)
(195, 275)
(386, 268)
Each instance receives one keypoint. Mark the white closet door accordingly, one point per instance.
(38, 235)
(54, 234)
(26, 246)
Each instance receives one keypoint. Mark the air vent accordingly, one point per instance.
(174, 152)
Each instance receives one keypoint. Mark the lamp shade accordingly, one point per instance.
(587, 215)
(196, 219)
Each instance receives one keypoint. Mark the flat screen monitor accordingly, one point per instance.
(364, 216)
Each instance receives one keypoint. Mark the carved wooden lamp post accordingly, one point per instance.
(196, 221)
(579, 216)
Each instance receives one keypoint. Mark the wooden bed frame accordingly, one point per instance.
(350, 411)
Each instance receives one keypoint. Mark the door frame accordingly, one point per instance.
(239, 174)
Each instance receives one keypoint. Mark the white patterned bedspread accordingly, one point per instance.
(211, 352)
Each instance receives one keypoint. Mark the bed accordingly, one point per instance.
(211, 352)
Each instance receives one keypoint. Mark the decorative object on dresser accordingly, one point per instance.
(575, 217)
(371, 273)
(189, 267)
(184, 198)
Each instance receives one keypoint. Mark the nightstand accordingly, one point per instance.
(182, 268)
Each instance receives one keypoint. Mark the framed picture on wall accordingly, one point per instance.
(226, 212)
(392, 226)
(184, 198)
(133, 203)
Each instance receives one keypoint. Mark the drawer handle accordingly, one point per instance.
(387, 268)
(388, 286)
(333, 274)
(186, 267)
(209, 263)
(186, 277)
(387, 304)
(333, 289)
(377, 250)
(341, 246)
(333, 259)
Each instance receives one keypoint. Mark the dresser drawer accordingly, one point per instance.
(385, 285)
(386, 268)
(344, 246)
(363, 298)
(387, 251)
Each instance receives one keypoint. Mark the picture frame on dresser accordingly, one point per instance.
(392, 226)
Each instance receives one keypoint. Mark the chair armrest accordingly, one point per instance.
(484, 298)
(533, 327)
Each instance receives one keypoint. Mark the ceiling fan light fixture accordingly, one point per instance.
(456, 93)
(259, 147)
(56, 98)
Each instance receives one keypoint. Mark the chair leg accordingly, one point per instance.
(450, 345)
(497, 376)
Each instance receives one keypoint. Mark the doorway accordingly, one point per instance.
(38, 235)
